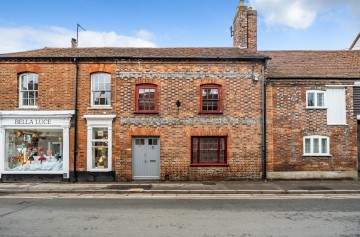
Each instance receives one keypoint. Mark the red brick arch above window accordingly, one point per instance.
(94, 68)
(28, 68)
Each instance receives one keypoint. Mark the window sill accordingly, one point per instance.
(28, 107)
(338, 124)
(99, 170)
(312, 108)
(209, 164)
(211, 113)
(317, 155)
(144, 112)
(100, 107)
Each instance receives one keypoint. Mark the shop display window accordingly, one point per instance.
(99, 147)
(33, 150)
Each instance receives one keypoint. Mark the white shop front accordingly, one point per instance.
(35, 142)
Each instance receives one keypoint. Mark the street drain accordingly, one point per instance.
(316, 188)
(209, 183)
(127, 187)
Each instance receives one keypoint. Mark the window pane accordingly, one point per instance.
(311, 99)
(316, 145)
(141, 93)
(324, 146)
(307, 146)
(100, 133)
(208, 150)
(320, 99)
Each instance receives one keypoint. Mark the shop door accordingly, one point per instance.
(146, 158)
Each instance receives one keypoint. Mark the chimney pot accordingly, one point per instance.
(73, 43)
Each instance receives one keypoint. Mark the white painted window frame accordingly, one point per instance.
(316, 92)
(92, 90)
(21, 94)
(99, 121)
(320, 146)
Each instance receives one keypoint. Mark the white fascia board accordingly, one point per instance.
(32, 113)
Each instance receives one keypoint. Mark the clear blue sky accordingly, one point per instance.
(25, 24)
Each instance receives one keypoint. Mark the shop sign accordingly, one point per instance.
(33, 121)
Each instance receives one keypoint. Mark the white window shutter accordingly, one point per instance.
(336, 104)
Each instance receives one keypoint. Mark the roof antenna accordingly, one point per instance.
(77, 32)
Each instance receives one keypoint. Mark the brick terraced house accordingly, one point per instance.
(104, 114)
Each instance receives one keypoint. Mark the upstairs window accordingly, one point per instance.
(146, 98)
(315, 99)
(28, 95)
(100, 90)
(210, 99)
(316, 146)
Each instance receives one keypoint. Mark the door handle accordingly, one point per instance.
(145, 161)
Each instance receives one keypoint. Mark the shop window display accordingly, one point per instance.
(33, 150)
(100, 148)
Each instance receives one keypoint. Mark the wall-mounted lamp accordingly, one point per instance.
(178, 103)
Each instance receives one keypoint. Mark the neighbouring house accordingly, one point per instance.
(312, 123)
(122, 114)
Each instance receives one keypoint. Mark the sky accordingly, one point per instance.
(282, 24)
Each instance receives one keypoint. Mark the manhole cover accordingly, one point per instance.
(209, 183)
(127, 187)
(315, 188)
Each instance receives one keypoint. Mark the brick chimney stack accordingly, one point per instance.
(245, 27)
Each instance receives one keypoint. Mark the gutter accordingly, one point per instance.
(70, 58)
(74, 178)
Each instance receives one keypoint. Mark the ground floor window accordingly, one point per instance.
(99, 142)
(100, 148)
(208, 150)
(316, 146)
(33, 150)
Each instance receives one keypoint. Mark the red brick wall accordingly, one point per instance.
(289, 122)
(240, 121)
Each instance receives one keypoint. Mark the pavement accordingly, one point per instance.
(206, 187)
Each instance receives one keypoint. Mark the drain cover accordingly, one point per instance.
(127, 187)
(316, 188)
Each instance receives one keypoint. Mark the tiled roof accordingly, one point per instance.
(314, 64)
(229, 52)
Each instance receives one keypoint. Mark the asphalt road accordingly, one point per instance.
(179, 217)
